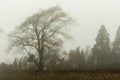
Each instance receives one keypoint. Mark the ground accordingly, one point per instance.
(61, 76)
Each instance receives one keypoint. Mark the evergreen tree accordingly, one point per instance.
(74, 58)
(101, 50)
(116, 51)
(82, 61)
(77, 59)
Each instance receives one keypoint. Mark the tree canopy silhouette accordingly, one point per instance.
(41, 33)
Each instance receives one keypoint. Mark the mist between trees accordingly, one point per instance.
(41, 36)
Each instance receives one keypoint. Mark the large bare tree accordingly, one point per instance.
(42, 32)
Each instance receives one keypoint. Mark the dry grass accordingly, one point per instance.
(61, 76)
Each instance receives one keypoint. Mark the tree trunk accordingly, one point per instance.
(40, 67)
(41, 54)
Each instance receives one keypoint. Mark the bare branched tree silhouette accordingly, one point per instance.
(42, 32)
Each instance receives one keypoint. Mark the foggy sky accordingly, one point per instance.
(88, 14)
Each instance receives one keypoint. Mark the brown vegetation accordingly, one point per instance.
(61, 76)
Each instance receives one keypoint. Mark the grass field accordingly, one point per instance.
(61, 76)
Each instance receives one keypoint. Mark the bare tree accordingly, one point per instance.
(42, 32)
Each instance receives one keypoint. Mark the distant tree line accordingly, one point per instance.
(103, 56)
(41, 37)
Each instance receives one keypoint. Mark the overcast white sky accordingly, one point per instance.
(89, 15)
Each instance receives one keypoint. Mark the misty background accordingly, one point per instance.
(88, 15)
